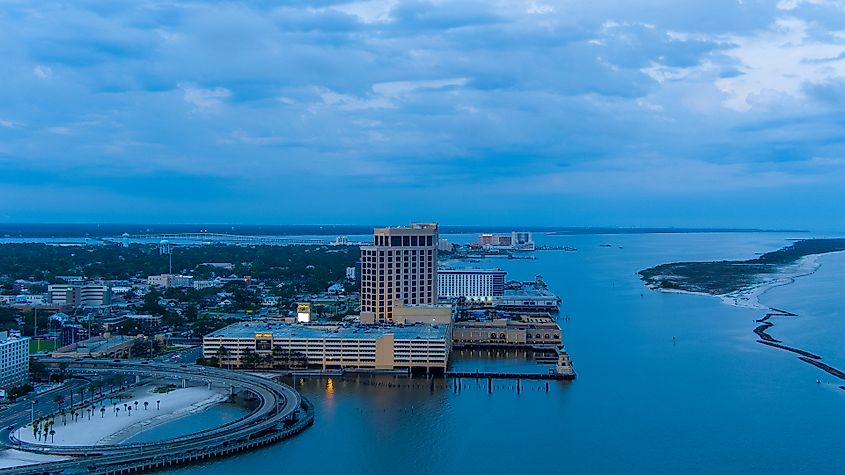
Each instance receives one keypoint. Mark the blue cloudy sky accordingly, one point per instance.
(634, 113)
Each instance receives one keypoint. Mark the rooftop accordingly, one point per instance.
(96, 344)
(349, 332)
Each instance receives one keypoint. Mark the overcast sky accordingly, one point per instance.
(570, 113)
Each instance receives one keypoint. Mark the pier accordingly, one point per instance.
(495, 375)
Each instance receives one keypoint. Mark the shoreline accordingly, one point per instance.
(750, 297)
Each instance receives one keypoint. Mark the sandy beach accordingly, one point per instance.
(111, 427)
(750, 297)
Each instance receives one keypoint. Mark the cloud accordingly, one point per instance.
(42, 72)
(776, 63)
(204, 99)
(398, 88)
(571, 98)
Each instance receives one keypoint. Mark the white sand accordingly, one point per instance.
(109, 428)
(16, 458)
(750, 297)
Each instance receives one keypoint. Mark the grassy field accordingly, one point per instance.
(44, 345)
(722, 277)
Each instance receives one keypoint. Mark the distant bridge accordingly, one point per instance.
(218, 238)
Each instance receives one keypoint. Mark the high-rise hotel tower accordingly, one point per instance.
(400, 267)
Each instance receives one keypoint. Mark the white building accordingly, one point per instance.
(522, 241)
(203, 284)
(79, 295)
(14, 359)
(350, 273)
(167, 281)
(473, 285)
(443, 245)
(30, 299)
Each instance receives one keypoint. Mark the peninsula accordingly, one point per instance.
(729, 278)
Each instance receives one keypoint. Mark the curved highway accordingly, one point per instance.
(274, 418)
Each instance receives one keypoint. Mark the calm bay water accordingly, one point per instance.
(712, 401)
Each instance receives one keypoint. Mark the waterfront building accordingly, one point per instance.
(536, 333)
(79, 295)
(363, 347)
(443, 245)
(517, 241)
(400, 266)
(522, 241)
(528, 299)
(473, 285)
(14, 359)
(350, 273)
(168, 281)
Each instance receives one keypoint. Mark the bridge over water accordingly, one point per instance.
(280, 413)
(238, 239)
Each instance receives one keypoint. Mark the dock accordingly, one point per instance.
(496, 375)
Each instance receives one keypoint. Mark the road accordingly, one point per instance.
(278, 403)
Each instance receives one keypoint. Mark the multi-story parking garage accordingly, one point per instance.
(409, 347)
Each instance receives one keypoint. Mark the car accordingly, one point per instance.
(183, 366)
(145, 362)
(115, 361)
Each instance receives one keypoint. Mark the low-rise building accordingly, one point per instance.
(538, 333)
(105, 346)
(168, 281)
(203, 284)
(14, 359)
(361, 347)
(30, 299)
(74, 295)
(153, 321)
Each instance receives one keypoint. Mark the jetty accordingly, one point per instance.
(510, 375)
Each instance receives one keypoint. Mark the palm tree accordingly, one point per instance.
(130, 410)
(90, 411)
(64, 417)
(146, 403)
(102, 412)
(116, 411)
(52, 435)
(136, 405)
(158, 405)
